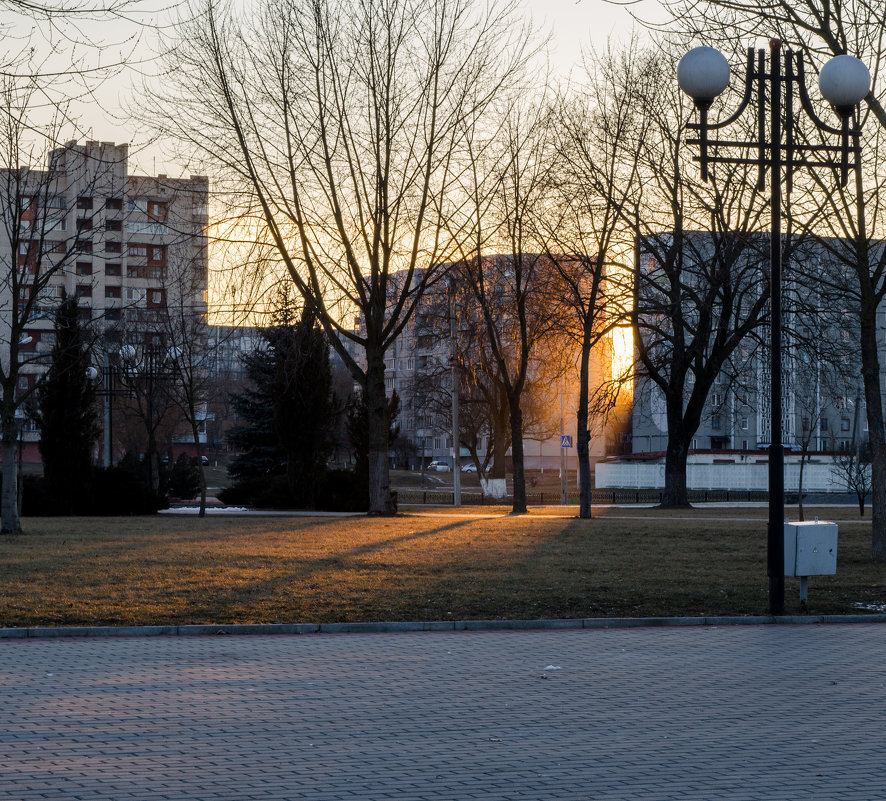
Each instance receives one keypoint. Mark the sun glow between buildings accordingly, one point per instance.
(623, 357)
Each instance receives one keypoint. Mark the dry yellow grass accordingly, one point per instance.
(418, 566)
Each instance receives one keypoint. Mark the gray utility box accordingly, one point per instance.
(810, 549)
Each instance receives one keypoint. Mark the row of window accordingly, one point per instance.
(155, 209)
(153, 297)
(155, 253)
(823, 424)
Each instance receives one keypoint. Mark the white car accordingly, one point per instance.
(470, 467)
(439, 466)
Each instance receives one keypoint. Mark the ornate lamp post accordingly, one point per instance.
(703, 73)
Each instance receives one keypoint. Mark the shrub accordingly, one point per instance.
(183, 480)
(339, 491)
(112, 491)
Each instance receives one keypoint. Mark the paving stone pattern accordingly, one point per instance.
(739, 712)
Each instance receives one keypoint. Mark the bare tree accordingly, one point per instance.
(698, 284)
(853, 468)
(820, 29)
(588, 237)
(336, 126)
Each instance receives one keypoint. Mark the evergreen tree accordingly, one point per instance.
(66, 413)
(289, 408)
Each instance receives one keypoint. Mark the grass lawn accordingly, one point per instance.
(421, 565)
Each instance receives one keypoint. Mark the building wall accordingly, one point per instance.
(132, 248)
(823, 396)
(418, 367)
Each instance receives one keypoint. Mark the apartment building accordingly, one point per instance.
(418, 367)
(823, 407)
(130, 248)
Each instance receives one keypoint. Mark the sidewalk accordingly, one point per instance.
(737, 712)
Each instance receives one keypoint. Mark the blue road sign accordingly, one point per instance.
(565, 440)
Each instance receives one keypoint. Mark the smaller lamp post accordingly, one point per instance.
(703, 74)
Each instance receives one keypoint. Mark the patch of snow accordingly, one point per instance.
(871, 607)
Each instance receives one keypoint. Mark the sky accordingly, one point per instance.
(573, 25)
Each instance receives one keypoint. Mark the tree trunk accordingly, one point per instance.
(583, 435)
(380, 501)
(675, 492)
(516, 415)
(11, 522)
(679, 436)
(499, 438)
(870, 371)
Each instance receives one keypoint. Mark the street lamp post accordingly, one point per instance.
(454, 390)
(703, 73)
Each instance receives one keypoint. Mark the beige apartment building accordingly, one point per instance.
(132, 249)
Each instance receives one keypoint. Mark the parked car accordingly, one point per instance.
(439, 466)
(470, 467)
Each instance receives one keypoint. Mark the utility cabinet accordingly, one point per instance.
(810, 549)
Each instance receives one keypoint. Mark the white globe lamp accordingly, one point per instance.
(703, 73)
(844, 82)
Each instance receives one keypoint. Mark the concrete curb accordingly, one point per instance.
(209, 629)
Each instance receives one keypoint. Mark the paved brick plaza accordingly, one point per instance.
(740, 712)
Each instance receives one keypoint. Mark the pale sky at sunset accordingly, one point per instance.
(573, 24)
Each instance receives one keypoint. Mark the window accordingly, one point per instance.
(84, 290)
(23, 248)
(113, 225)
(156, 297)
(157, 254)
(112, 291)
(716, 422)
(83, 246)
(84, 224)
(84, 268)
(844, 424)
(157, 210)
(199, 208)
(84, 203)
(137, 204)
(136, 294)
(112, 269)
(143, 271)
(112, 314)
(137, 250)
(113, 204)
(112, 247)
(744, 423)
(823, 424)
(805, 424)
